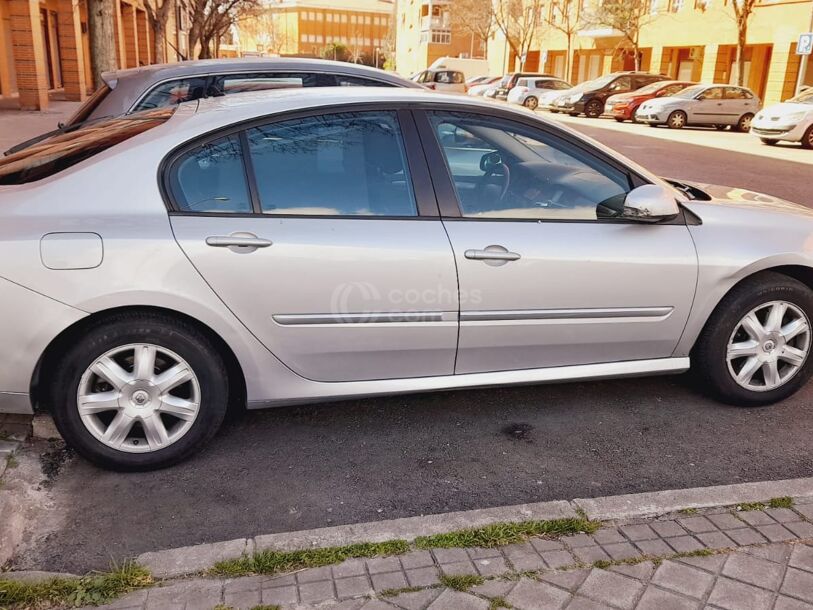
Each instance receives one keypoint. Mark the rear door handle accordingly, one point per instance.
(238, 242)
(493, 255)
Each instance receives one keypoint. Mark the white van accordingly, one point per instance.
(469, 67)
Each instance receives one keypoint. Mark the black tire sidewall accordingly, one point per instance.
(528, 102)
(807, 138)
(593, 104)
(711, 349)
(187, 342)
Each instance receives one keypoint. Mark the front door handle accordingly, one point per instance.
(238, 242)
(492, 255)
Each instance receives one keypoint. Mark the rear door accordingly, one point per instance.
(321, 233)
(709, 108)
(739, 102)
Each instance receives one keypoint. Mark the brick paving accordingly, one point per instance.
(758, 563)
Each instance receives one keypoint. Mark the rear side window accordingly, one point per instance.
(358, 81)
(347, 164)
(239, 83)
(212, 178)
(174, 92)
(60, 152)
(91, 104)
(734, 93)
(448, 77)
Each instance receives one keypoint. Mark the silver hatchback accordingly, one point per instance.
(717, 106)
(300, 246)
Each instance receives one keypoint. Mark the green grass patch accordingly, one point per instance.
(274, 562)
(783, 502)
(461, 582)
(746, 506)
(688, 511)
(498, 602)
(499, 534)
(395, 592)
(93, 589)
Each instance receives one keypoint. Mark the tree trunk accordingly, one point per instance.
(568, 59)
(159, 36)
(741, 38)
(102, 38)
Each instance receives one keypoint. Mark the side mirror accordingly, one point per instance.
(650, 203)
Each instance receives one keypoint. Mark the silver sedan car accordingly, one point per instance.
(719, 106)
(299, 246)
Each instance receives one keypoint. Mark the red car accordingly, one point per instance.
(622, 106)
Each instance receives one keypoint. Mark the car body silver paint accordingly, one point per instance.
(741, 233)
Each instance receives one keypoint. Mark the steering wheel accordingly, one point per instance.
(492, 165)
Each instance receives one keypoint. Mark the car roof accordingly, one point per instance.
(148, 75)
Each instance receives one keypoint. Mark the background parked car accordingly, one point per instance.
(481, 88)
(590, 99)
(622, 106)
(160, 85)
(791, 121)
(447, 81)
(713, 105)
(509, 81)
(530, 88)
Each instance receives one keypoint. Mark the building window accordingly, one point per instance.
(353, 19)
(319, 38)
(441, 37)
(330, 17)
(676, 5)
(367, 20)
(303, 38)
(344, 18)
(653, 6)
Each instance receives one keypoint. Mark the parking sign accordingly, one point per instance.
(805, 44)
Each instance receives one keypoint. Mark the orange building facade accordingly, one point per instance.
(44, 47)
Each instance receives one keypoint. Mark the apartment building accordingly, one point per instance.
(44, 47)
(307, 27)
(686, 39)
(426, 31)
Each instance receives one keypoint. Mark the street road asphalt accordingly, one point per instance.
(306, 467)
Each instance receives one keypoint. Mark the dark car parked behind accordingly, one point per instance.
(590, 100)
(509, 81)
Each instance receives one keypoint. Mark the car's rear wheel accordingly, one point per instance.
(619, 119)
(593, 109)
(744, 124)
(755, 347)
(768, 141)
(720, 127)
(531, 102)
(676, 120)
(554, 111)
(807, 139)
(139, 392)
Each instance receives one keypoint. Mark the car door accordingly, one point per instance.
(321, 233)
(544, 280)
(709, 108)
(738, 102)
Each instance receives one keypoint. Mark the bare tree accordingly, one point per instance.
(474, 18)
(212, 19)
(566, 17)
(517, 20)
(743, 9)
(159, 17)
(102, 38)
(627, 17)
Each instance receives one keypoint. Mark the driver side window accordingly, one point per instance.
(503, 169)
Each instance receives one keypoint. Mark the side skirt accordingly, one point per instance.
(320, 391)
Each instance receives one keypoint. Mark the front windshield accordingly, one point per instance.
(600, 82)
(651, 88)
(690, 92)
(805, 97)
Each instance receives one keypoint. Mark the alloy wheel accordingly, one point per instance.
(745, 123)
(768, 346)
(677, 120)
(138, 398)
(531, 102)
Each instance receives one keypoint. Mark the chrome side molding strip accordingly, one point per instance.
(360, 318)
(566, 314)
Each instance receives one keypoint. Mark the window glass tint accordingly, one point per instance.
(60, 152)
(672, 89)
(212, 178)
(239, 83)
(734, 93)
(174, 92)
(503, 169)
(623, 83)
(448, 77)
(714, 93)
(358, 81)
(349, 164)
(86, 109)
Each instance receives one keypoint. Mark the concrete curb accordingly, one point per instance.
(188, 560)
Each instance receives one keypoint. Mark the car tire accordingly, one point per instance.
(619, 119)
(721, 127)
(756, 297)
(531, 102)
(768, 141)
(180, 418)
(744, 124)
(574, 114)
(676, 120)
(807, 138)
(593, 109)
(553, 111)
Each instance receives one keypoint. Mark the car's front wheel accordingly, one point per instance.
(139, 392)
(807, 139)
(744, 124)
(768, 141)
(676, 120)
(531, 102)
(755, 347)
(593, 109)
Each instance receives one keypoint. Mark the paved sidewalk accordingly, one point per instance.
(719, 558)
(18, 125)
